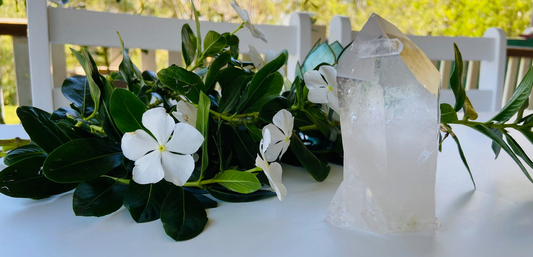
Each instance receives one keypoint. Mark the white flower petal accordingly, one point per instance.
(313, 80)
(275, 150)
(256, 58)
(136, 144)
(159, 123)
(185, 140)
(274, 174)
(333, 102)
(256, 32)
(276, 134)
(148, 169)
(186, 112)
(270, 55)
(330, 74)
(242, 13)
(261, 163)
(277, 144)
(318, 95)
(178, 168)
(285, 121)
(265, 142)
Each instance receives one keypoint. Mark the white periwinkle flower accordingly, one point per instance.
(280, 133)
(320, 90)
(258, 61)
(255, 32)
(185, 112)
(160, 158)
(273, 170)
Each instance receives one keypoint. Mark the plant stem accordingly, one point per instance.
(214, 180)
(10, 144)
(155, 104)
(488, 124)
(97, 128)
(119, 180)
(237, 29)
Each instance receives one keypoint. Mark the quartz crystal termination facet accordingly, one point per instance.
(388, 96)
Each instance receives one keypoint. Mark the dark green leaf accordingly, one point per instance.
(245, 147)
(232, 81)
(91, 70)
(495, 147)
(520, 95)
(98, 197)
(127, 110)
(254, 132)
(40, 128)
(447, 113)
(319, 169)
(77, 90)
(213, 44)
(270, 109)
(238, 181)
(528, 134)
(461, 154)
(487, 132)
(182, 81)
(65, 113)
(274, 89)
(182, 215)
(322, 54)
(144, 201)
(202, 124)
(262, 80)
(223, 194)
(129, 71)
(518, 150)
(456, 80)
(24, 152)
(214, 69)
(206, 202)
(520, 113)
(298, 71)
(82, 160)
(25, 179)
(188, 44)
(318, 117)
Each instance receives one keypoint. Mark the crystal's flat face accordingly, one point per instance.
(388, 93)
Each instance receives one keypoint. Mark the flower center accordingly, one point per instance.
(186, 117)
(162, 148)
(287, 139)
(330, 88)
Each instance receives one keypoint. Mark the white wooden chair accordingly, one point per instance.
(49, 28)
(486, 56)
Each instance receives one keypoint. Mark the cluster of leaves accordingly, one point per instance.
(79, 147)
(497, 128)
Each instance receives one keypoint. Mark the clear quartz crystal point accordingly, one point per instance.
(388, 96)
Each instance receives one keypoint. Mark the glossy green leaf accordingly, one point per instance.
(24, 152)
(238, 181)
(104, 112)
(25, 179)
(233, 42)
(65, 113)
(318, 117)
(214, 70)
(528, 134)
(223, 194)
(213, 43)
(262, 80)
(202, 124)
(520, 95)
(461, 154)
(322, 54)
(206, 202)
(129, 71)
(144, 201)
(82, 160)
(127, 110)
(319, 169)
(254, 131)
(469, 110)
(77, 90)
(91, 70)
(270, 109)
(495, 147)
(520, 113)
(98, 197)
(455, 80)
(274, 90)
(232, 82)
(447, 113)
(182, 215)
(41, 129)
(518, 150)
(188, 44)
(487, 132)
(182, 81)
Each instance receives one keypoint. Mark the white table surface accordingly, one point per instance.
(494, 220)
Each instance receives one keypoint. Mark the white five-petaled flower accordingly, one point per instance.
(323, 90)
(273, 170)
(185, 112)
(280, 133)
(255, 32)
(160, 158)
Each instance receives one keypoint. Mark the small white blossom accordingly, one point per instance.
(273, 170)
(255, 32)
(280, 133)
(258, 61)
(323, 90)
(168, 155)
(185, 112)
